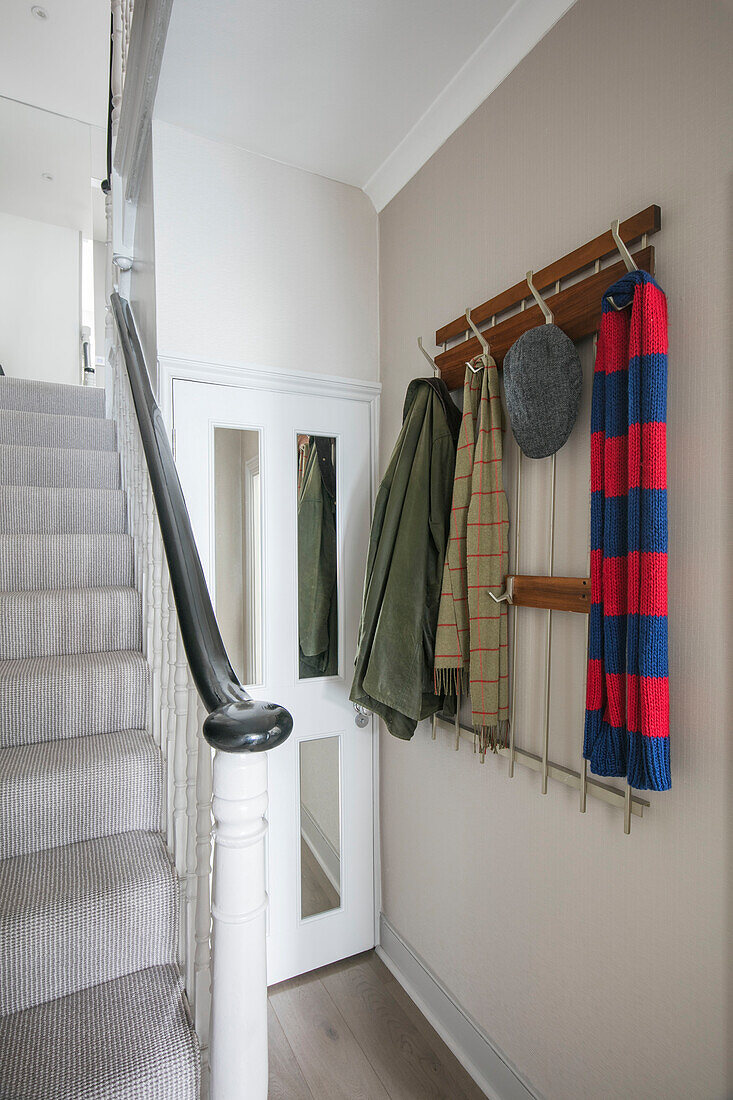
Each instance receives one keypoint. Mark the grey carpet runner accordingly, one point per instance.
(91, 1000)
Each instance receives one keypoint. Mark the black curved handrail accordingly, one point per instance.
(236, 722)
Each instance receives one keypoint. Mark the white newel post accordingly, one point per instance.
(239, 1067)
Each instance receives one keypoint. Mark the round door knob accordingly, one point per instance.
(362, 716)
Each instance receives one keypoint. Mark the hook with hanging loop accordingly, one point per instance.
(507, 596)
(625, 254)
(433, 364)
(548, 314)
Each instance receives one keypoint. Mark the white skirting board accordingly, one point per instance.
(491, 1071)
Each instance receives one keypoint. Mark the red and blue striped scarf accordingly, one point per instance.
(627, 703)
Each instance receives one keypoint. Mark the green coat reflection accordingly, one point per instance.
(317, 591)
(394, 662)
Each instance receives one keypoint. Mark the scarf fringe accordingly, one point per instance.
(448, 681)
(492, 738)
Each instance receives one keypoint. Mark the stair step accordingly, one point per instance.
(82, 914)
(70, 620)
(62, 792)
(28, 509)
(29, 429)
(123, 1040)
(29, 395)
(65, 561)
(59, 467)
(49, 698)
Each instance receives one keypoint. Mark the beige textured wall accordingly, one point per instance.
(597, 962)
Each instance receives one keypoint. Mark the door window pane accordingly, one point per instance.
(320, 826)
(238, 548)
(318, 653)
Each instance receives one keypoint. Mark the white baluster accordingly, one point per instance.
(239, 967)
(192, 753)
(117, 54)
(180, 761)
(170, 740)
(202, 962)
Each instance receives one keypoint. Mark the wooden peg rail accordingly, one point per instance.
(551, 593)
(577, 308)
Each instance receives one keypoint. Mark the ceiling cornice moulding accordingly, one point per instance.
(526, 22)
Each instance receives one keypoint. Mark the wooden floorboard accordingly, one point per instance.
(350, 1030)
(286, 1078)
(332, 1062)
(406, 1065)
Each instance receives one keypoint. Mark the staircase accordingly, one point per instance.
(91, 998)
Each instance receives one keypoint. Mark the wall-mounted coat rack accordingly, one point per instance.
(576, 309)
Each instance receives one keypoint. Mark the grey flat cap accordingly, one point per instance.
(543, 380)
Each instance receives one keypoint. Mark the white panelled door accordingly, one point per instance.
(292, 472)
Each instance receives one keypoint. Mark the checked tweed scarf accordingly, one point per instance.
(471, 640)
(627, 705)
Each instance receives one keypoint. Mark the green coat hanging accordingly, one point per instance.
(317, 589)
(394, 663)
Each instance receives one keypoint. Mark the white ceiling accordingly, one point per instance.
(362, 91)
(54, 78)
(60, 64)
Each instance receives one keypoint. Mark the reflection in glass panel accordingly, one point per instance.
(320, 826)
(238, 548)
(317, 588)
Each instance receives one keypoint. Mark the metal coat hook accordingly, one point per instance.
(625, 254)
(478, 334)
(507, 596)
(429, 358)
(549, 316)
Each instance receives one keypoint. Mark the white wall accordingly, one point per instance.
(260, 263)
(599, 963)
(40, 309)
(142, 275)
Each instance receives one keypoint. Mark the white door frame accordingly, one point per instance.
(277, 380)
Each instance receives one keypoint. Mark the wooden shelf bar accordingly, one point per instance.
(577, 311)
(551, 593)
(633, 229)
(570, 778)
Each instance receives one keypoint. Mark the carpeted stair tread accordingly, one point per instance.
(72, 695)
(29, 429)
(128, 1039)
(84, 913)
(30, 395)
(59, 467)
(28, 509)
(65, 561)
(71, 620)
(62, 792)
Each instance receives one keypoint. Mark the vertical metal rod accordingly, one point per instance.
(548, 663)
(584, 763)
(517, 523)
(458, 712)
(627, 809)
(515, 622)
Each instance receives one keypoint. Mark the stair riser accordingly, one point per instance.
(25, 510)
(77, 790)
(30, 562)
(50, 397)
(125, 1040)
(49, 699)
(50, 948)
(59, 468)
(39, 624)
(25, 429)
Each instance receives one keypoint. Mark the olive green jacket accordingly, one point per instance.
(317, 593)
(394, 663)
